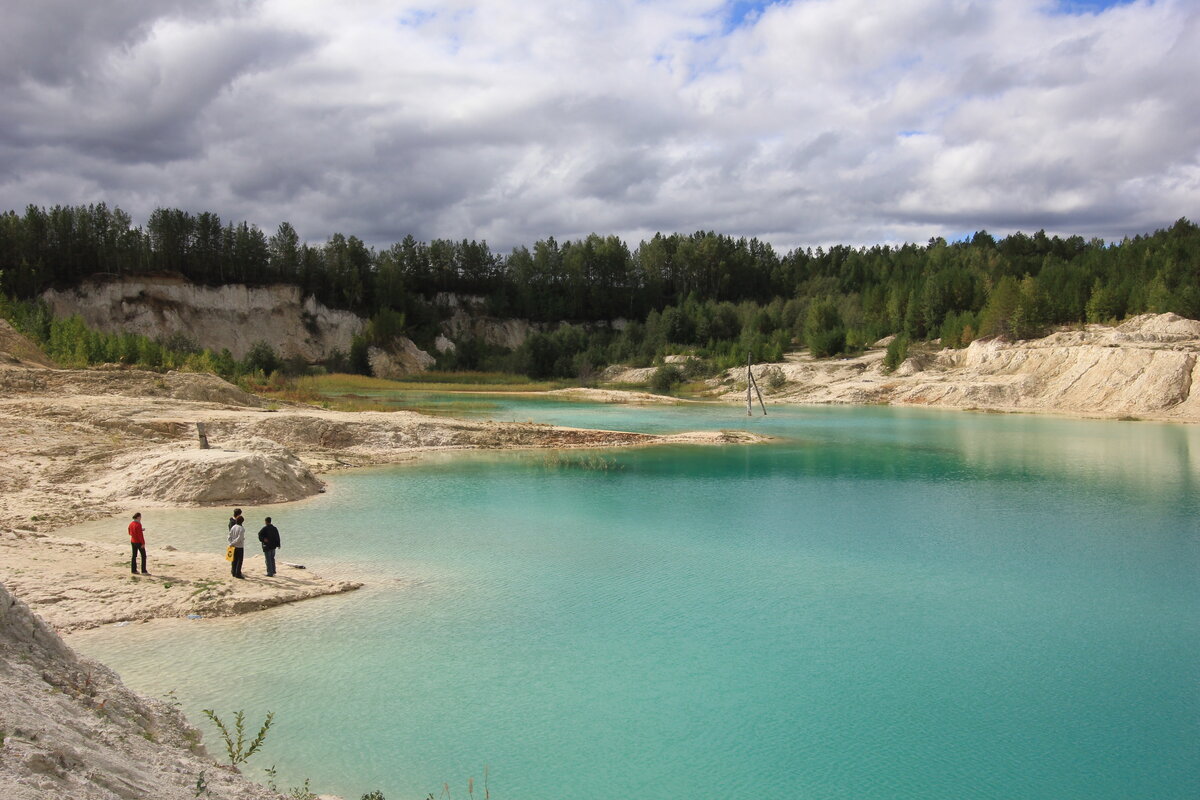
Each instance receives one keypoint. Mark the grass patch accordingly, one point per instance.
(431, 382)
(203, 586)
(498, 381)
(341, 392)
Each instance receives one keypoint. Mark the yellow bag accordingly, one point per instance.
(229, 553)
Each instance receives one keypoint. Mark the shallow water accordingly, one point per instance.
(882, 603)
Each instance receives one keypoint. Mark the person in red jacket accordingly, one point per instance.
(137, 540)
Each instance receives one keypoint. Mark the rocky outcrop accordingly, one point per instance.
(402, 358)
(492, 331)
(71, 729)
(233, 316)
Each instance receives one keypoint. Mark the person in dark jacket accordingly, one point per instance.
(269, 536)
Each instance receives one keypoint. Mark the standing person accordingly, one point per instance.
(237, 512)
(137, 540)
(269, 536)
(237, 540)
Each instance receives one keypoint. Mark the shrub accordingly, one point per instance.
(262, 358)
(824, 344)
(774, 378)
(360, 361)
(897, 351)
(665, 379)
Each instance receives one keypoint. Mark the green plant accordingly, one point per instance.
(591, 463)
(446, 789)
(775, 379)
(235, 747)
(665, 379)
(897, 351)
(202, 586)
(302, 792)
(271, 776)
(201, 787)
(375, 795)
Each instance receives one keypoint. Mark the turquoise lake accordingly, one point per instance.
(881, 603)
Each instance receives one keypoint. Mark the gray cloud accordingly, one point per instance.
(816, 122)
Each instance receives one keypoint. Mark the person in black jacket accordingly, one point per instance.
(269, 536)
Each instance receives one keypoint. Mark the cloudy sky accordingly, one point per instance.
(801, 122)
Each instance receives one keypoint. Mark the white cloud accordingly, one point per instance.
(815, 121)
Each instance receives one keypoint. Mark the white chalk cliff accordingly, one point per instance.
(71, 729)
(233, 316)
(1145, 367)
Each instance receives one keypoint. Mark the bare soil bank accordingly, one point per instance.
(1146, 368)
(71, 729)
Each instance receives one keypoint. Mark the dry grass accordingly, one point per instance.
(433, 382)
(342, 392)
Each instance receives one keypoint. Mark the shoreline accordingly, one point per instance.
(86, 444)
(79, 583)
(83, 445)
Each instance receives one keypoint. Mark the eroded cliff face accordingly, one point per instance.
(71, 729)
(233, 316)
(1145, 367)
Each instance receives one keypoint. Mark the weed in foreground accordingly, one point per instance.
(235, 746)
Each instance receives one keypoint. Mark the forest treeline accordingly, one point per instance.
(705, 292)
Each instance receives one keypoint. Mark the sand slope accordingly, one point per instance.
(72, 730)
(1145, 368)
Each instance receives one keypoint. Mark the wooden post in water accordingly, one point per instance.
(749, 383)
(758, 391)
(203, 435)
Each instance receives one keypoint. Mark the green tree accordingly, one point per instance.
(997, 316)
(261, 357)
(824, 332)
(897, 351)
(1104, 304)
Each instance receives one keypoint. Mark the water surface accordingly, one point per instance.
(882, 603)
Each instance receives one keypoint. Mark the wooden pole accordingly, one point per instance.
(203, 435)
(749, 383)
(759, 391)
